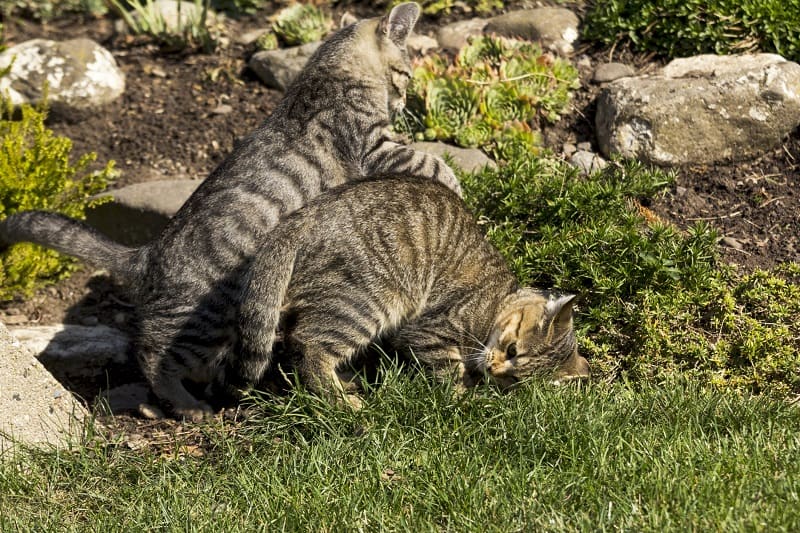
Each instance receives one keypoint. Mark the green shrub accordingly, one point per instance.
(301, 24)
(491, 96)
(36, 173)
(679, 28)
(656, 299)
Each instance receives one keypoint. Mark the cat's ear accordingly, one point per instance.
(559, 310)
(397, 25)
(347, 19)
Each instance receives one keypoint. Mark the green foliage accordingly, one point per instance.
(490, 97)
(193, 29)
(657, 301)
(267, 41)
(301, 24)
(444, 7)
(36, 173)
(680, 28)
(238, 7)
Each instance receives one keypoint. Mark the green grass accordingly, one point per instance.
(663, 457)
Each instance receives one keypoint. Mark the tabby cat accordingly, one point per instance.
(401, 261)
(331, 127)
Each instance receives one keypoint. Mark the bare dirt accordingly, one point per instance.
(181, 114)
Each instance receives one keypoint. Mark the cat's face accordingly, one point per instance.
(533, 335)
(380, 49)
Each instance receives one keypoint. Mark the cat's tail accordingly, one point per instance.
(263, 293)
(68, 236)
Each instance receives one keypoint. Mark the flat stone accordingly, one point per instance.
(140, 211)
(35, 409)
(469, 159)
(555, 27)
(278, 68)
(453, 37)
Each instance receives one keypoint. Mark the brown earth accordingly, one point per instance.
(181, 114)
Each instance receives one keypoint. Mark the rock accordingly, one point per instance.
(469, 159)
(176, 15)
(568, 149)
(555, 27)
(35, 409)
(453, 37)
(249, 37)
(140, 211)
(732, 242)
(587, 162)
(701, 110)
(277, 68)
(80, 74)
(612, 71)
(421, 44)
(75, 346)
(586, 146)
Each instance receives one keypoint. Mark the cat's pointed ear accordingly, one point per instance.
(560, 311)
(397, 25)
(347, 19)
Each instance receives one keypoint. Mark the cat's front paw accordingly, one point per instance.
(448, 178)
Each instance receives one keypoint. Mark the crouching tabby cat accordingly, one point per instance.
(331, 127)
(399, 260)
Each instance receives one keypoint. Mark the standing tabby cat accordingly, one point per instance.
(330, 128)
(400, 260)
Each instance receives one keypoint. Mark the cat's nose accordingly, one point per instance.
(574, 368)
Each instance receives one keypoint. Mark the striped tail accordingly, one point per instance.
(70, 237)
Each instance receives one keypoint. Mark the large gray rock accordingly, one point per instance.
(140, 211)
(454, 36)
(277, 68)
(701, 109)
(80, 74)
(34, 408)
(469, 159)
(555, 27)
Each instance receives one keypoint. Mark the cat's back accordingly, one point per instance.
(403, 226)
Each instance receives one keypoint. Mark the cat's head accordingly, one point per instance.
(375, 50)
(533, 335)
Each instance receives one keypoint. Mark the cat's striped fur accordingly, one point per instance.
(330, 127)
(399, 261)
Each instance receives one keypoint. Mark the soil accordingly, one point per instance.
(181, 114)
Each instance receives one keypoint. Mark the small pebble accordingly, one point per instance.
(585, 146)
(568, 149)
(681, 191)
(732, 243)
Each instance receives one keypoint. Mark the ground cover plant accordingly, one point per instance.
(680, 28)
(492, 96)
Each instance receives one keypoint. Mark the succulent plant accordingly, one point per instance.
(491, 96)
(301, 24)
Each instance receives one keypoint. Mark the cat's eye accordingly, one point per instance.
(511, 351)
